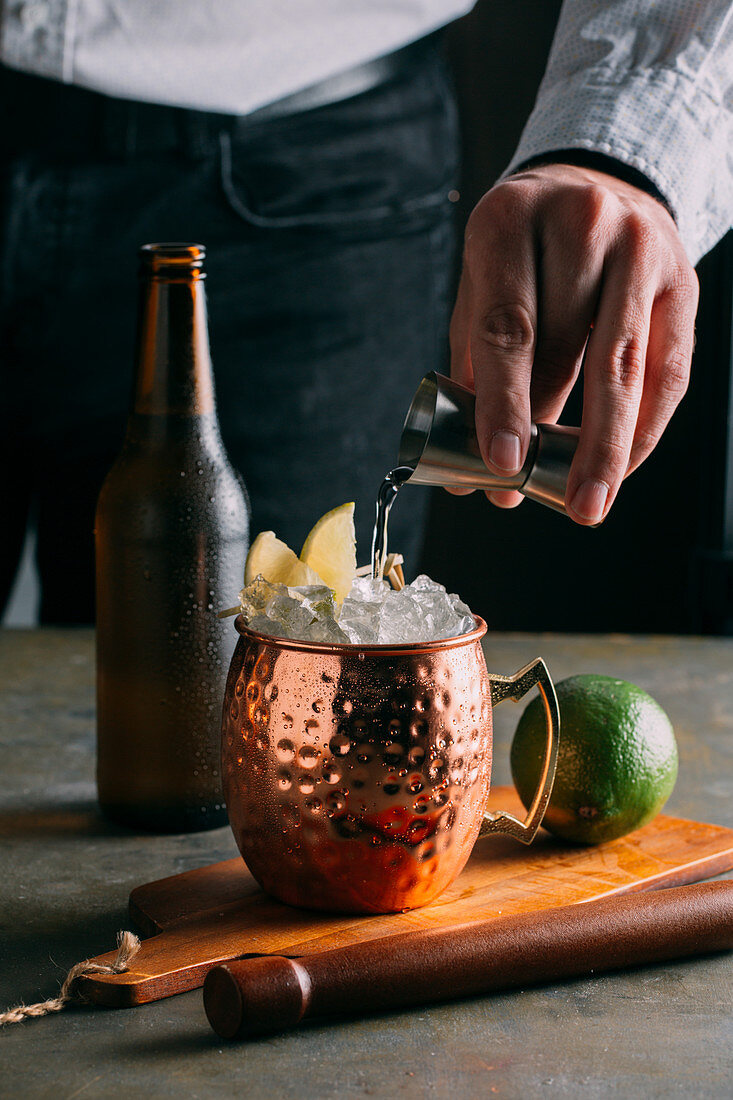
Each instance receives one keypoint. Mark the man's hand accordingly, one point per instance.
(557, 258)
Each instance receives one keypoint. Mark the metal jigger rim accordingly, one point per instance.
(418, 421)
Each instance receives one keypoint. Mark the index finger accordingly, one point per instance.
(614, 378)
(502, 339)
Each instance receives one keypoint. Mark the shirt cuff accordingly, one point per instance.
(657, 121)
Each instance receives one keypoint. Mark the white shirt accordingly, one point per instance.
(649, 82)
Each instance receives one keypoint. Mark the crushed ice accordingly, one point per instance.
(372, 613)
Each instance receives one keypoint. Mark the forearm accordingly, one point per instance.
(648, 85)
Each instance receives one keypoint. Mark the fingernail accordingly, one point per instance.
(504, 452)
(590, 500)
(500, 499)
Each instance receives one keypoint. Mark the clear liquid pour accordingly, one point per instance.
(388, 491)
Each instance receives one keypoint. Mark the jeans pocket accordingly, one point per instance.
(386, 159)
(242, 204)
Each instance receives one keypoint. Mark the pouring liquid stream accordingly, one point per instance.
(386, 496)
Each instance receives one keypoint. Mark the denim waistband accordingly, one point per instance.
(69, 121)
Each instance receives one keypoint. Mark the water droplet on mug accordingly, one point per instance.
(392, 752)
(416, 755)
(339, 744)
(285, 750)
(331, 774)
(289, 813)
(436, 768)
(417, 831)
(308, 756)
(335, 803)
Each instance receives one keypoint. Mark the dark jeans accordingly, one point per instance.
(330, 246)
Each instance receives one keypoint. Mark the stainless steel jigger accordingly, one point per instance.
(439, 443)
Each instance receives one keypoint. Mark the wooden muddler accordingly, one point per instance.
(271, 993)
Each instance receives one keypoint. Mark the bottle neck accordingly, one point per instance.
(174, 376)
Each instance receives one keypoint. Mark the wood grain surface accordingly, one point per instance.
(217, 913)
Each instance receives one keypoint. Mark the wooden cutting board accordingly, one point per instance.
(203, 917)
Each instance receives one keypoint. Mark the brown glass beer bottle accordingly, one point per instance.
(171, 540)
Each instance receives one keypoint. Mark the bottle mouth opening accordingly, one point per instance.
(173, 259)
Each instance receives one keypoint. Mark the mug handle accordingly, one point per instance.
(514, 687)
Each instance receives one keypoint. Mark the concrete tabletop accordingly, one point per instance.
(65, 875)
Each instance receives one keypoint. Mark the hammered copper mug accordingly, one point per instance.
(356, 777)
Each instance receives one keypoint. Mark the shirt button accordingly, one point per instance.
(34, 15)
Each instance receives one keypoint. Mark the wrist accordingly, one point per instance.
(601, 162)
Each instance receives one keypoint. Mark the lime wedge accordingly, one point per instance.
(330, 549)
(273, 559)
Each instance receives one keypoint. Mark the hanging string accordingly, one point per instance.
(128, 946)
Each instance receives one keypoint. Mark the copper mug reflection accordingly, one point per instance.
(356, 777)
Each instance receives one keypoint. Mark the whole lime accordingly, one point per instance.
(617, 762)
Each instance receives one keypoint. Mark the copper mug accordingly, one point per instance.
(356, 777)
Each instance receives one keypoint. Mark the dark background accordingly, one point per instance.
(662, 561)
